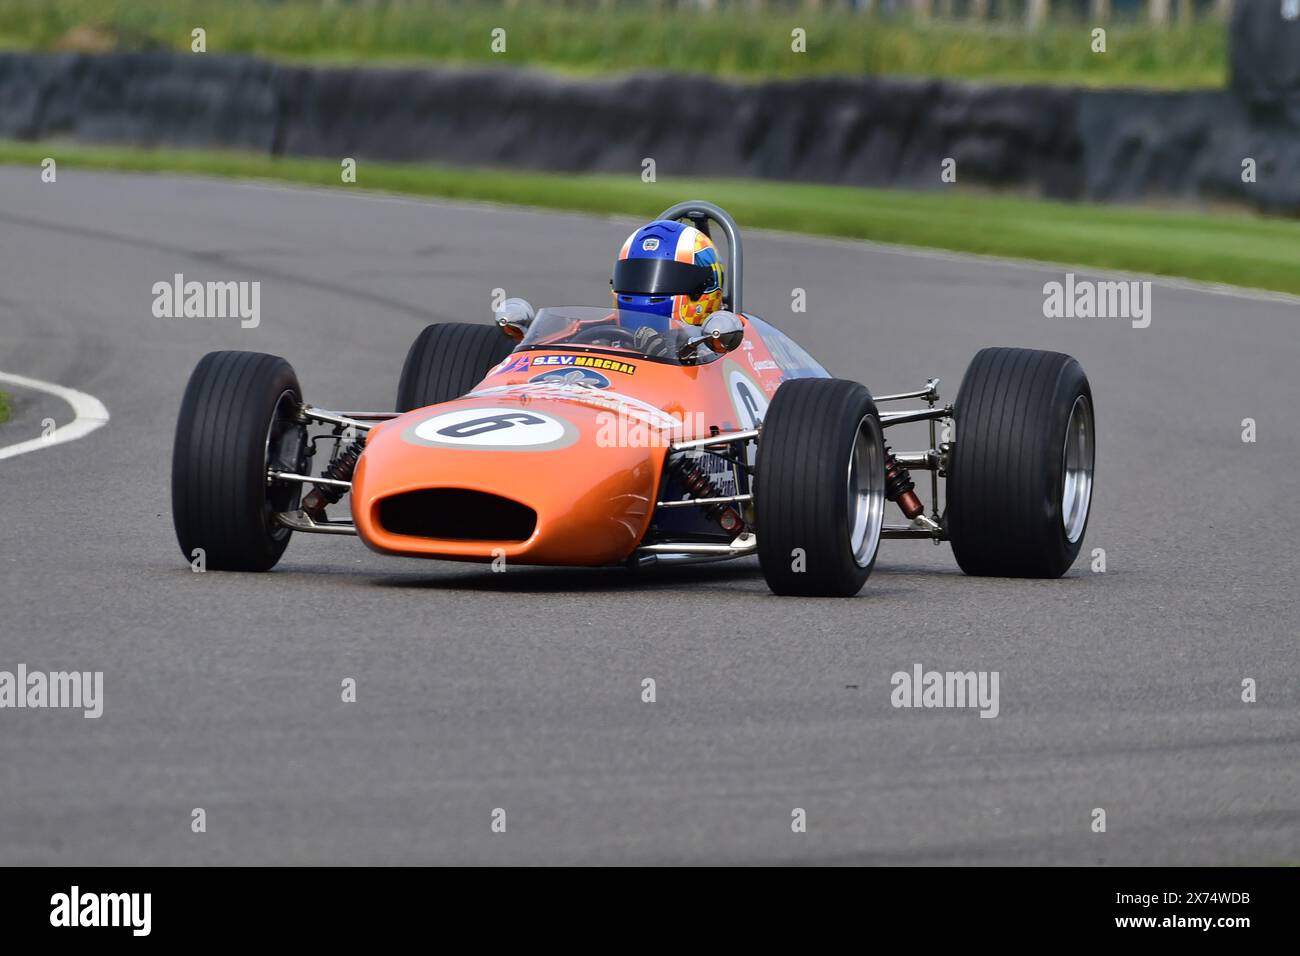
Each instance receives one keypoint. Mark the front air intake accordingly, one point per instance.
(457, 514)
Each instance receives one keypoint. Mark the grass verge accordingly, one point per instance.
(738, 39)
(1236, 249)
(4, 407)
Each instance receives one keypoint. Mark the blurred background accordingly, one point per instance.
(1140, 134)
(1163, 43)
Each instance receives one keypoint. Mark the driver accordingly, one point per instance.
(668, 278)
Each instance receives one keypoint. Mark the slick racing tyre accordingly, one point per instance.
(447, 360)
(1020, 472)
(237, 421)
(819, 488)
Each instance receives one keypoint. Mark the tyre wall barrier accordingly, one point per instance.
(1061, 143)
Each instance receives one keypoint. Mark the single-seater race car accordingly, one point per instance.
(595, 436)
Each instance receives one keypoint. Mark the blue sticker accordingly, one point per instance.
(573, 376)
(516, 363)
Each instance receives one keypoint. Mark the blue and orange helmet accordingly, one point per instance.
(669, 269)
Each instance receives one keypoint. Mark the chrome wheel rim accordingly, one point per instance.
(280, 496)
(1077, 468)
(866, 490)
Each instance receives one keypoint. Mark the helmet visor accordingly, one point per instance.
(663, 277)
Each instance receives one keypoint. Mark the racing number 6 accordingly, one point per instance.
(490, 423)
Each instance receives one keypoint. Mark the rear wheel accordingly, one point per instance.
(448, 360)
(819, 489)
(237, 421)
(1020, 474)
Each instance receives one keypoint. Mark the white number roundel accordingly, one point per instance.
(494, 428)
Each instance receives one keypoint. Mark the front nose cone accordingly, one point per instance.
(530, 482)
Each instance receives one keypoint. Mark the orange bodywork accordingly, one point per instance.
(589, 462)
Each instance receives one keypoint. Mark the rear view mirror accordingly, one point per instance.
(722, 332)
(514, 316)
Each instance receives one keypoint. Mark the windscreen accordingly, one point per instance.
(616, 331)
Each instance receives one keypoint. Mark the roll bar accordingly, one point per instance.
(699, 211)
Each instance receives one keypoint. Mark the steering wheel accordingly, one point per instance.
(610, 332)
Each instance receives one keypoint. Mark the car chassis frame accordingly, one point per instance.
(929, 527)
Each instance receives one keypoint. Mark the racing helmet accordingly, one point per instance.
(670, 270)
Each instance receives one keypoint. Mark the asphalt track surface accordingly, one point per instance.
(1119, 690)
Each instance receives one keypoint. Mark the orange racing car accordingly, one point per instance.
(673, 427)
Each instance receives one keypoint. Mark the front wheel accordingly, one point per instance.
(237, 421)
(447, 360)
(1020, 475)
(819, 488)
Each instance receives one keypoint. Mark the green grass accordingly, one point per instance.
(4, 407)
(1236, 249)
(587, 37)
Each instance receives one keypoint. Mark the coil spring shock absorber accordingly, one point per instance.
(700, 485)
(899, 485)
(340, 468)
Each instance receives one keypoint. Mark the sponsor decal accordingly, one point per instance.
(493, 429)
(623, 405)
(586, 361)
(720, 472)
(513, 363)
(573, 376)
(650, 244)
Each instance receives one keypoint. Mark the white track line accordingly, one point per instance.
(89, 411)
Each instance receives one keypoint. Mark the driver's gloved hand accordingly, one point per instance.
(680, 339)
(649, 341)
